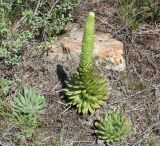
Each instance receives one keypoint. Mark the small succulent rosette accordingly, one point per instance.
(89, 94)
(113, 126)
(29, 102)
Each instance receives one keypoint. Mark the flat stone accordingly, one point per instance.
(107, 51)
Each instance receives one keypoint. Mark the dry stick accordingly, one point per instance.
(123, 100)
(49, 137)
(41, 2)
(118, 31)
(83, 141)
(71, 141)
(64, 111)
(52, 7)
(106, 22)
(18, 23)
(147, 32)
(38, 4)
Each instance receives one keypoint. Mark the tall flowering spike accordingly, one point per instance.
(86, 59)
(87, 90)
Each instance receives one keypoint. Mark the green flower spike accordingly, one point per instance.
(87, 90)
(113, 126)
(86, 58)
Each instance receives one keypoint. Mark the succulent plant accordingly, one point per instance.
(87, 89)
(113, 126)
(30, 102)
(26, 122)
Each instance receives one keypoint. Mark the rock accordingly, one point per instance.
(100, 142)
(107, 51)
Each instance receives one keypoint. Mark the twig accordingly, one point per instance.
(52, 7)
(49, 137)
(38, 4)
(148, 31)
(83, 141)
(118, 31)
(123, 100)
(18, 23)
(64, 111)
(71, 141)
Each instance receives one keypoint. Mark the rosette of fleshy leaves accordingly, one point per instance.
(87, 90)
(27, 106)
(113, 126)
(29, 102)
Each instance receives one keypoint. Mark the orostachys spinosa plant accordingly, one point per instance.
(113, 126)
(27, 107)
(29, 102)
(87, 90)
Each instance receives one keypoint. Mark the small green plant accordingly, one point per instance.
(113, 126)
(135, 11)
(151, 9)
(61, 140)
(22, 20)
(30, 102)
(62, 137)
(4, 86)
(26, 122)
(27, 107)
(62, 14)
(87, 90)
(128, 13)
